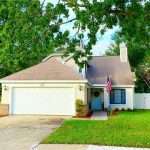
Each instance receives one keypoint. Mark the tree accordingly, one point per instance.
(29, 31)
(96, 16)
(143, 75)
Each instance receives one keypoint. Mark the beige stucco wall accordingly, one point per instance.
(5, 94)
(81, 92)
(129, 99)
(79, 88)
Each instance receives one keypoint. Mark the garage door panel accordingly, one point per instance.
(48, 101)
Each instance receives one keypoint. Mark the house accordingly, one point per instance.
(52, 86)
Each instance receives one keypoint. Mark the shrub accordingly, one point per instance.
(123, 109)
(116, 109)
(81, 108)
(129, 109)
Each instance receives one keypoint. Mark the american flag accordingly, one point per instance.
(108, 85)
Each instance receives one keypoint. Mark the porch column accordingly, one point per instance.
(106, 98)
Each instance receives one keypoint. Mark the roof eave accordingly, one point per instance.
(43, 81)
(114, 86)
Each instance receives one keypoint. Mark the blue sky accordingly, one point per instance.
(103, 42)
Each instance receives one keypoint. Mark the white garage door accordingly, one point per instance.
(46, 101)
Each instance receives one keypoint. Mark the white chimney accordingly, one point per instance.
(123, 53)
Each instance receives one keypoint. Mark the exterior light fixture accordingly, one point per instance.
(80, 87)
(5, 88)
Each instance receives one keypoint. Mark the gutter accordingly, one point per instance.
(43, 81)
(115, 86)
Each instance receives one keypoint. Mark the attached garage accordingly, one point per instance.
(48, 88)
(44, 101)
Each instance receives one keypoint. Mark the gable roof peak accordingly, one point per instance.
(52, 55)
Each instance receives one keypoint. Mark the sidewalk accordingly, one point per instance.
(62, 147)
(93, 147)
(83, 147)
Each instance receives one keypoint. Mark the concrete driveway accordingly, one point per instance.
(21, 132)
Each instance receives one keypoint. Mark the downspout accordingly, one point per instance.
(84, 71)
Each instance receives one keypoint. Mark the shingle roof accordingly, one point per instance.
(101, 67)
(51, 69)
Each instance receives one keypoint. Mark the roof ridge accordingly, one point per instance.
(51, 55)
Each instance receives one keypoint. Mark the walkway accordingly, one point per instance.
(62, 147)
(100, 115)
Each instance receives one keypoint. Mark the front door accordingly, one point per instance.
(96, 101)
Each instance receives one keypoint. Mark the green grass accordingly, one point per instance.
(125, 129)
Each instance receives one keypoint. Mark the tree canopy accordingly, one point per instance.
(29, 31)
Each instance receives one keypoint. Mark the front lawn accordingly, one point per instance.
(125, 129)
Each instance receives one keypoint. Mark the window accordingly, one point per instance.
(118, 96)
